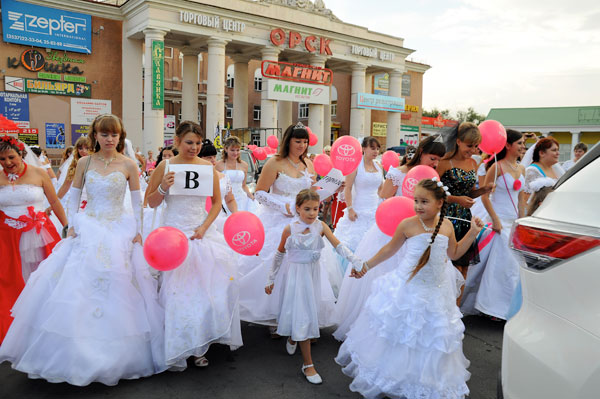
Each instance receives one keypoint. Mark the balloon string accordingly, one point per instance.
(496, 165)
(465, 220)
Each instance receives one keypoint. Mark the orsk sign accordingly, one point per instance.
(293, 39)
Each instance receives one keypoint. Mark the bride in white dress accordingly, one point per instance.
(236, 170)
(90, 312)
(200, 296)
(281, 179)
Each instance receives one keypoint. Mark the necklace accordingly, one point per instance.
(295, 165)
(13, 177)
(512, 167)
(427, 229)
(106, 162)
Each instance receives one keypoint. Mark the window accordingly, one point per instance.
(258, 80)
(302, 111)
(229, 110)
(564, 152)
(168, 52)
(406, 85)
(256, 112)
(230, 76)
(333, 101)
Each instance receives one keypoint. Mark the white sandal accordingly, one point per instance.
(201, 361)
(289, 347)
(313, 379)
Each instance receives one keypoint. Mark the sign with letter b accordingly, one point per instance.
(192, 180)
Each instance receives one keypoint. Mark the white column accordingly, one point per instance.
(394, 118)
(133, 89)
(357, 115)
(268, 108)
(154, 119)
(189, 95)
(215, 87)
(284, 115)
(315, 112)
(327, 122)
(240, 92)
(368, 89)
(575, 137)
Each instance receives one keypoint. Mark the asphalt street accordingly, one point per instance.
(261, 369)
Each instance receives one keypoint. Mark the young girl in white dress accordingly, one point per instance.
(354, 292)
(236, 169)
(200, 297)
(407, 341)
(90, 312)
(361, 193)
(299, 316)
(490, 283)
(281, 179)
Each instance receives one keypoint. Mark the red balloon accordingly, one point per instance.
(322, 164)
(259, 153)
(312, 139)
(273, 141)
(391, 212)
(244, 232)
(493, 136)
(346, 154)
(414, 176)
(166, 248)
(390, 159)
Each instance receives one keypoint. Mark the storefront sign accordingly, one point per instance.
(296, 72)
(34, 61)
(29, 136)
(15, 106)
(62, 58)
(381, 103)
(38, 86)
(33, 25)
(298, 92)
(49, 76)
(211, 21)
(278, 38)
(55, 135)
(379, 129)
(437, 122)
(158, 67)
(78, 79)
(408, 128)
(372, 52)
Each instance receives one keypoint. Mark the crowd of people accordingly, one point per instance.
(87, 307)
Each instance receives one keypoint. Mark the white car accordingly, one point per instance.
(551, 347)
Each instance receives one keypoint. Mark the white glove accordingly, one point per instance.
(344, 252)
(277, 261)
(274, 202)
(136, 203)
(73, 204)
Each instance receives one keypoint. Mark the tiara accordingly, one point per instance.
(299, 125)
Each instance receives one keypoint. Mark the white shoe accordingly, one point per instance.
(313, 379)
(290, 348)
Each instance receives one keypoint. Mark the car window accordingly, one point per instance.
(588, 158)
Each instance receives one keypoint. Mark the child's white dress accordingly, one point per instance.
(407, 341)
(307, 300)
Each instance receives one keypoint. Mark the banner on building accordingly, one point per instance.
(45, 27)
(38, 86)
(15, 106)
(55, 135)
(379, 129)
(381, 84)
(83, 112)
(169, 130)
(29, 136)
(158, 67)
(378, 102)
(298, 92)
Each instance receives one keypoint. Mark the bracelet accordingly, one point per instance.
(349, 207)
(161, 191)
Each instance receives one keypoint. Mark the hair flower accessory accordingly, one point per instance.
(434, 178)
(446, 190)
(12, 141)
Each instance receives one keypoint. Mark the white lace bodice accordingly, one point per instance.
(288, 187)
(503, 200)
(105, 195)
(237, 178)
(532, 174)
(397, 178)
(225, 187)
(364, 190)
(14, 200)
(304, 247)
(432, 275)
(185, 212)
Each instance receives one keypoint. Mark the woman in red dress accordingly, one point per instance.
(27, 235)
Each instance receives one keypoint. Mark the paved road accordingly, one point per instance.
(261, 369)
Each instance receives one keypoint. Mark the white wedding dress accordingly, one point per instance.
(236, 177)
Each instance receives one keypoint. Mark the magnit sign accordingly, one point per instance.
(45, 27)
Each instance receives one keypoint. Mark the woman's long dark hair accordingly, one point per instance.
(427, 146)
(511, 137)
(159, 158)
(293, 132)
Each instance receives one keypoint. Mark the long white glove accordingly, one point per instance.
(277, 261)
(136, 203)
(73, 204)
(344, 252)
(274, 202)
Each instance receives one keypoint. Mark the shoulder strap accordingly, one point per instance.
(538, 168)
(507, 190)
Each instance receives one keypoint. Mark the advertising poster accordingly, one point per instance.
(37, 86)
(77, 131)
(29, 136)
(83, 112)
(169, 130)
(55, 135)
(15, 106)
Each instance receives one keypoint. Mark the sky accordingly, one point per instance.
(493, 53)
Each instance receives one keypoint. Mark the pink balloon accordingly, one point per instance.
(517, 185)
(208, 204)
(272, 141)
(414, 176)
(493, 136)
(166, 248)
(259, 153)
(391, 212)
(346, 154)
(312, 139)
(390, 159)
(244, 232)
(252, 147)
(271, 150)
(322, 164)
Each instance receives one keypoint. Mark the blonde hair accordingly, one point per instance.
(468, 132)
(83, 141)
(229, 142)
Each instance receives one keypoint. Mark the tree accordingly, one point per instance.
(435, 112)
(470, 115)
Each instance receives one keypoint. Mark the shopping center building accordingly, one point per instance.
(248, 65)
